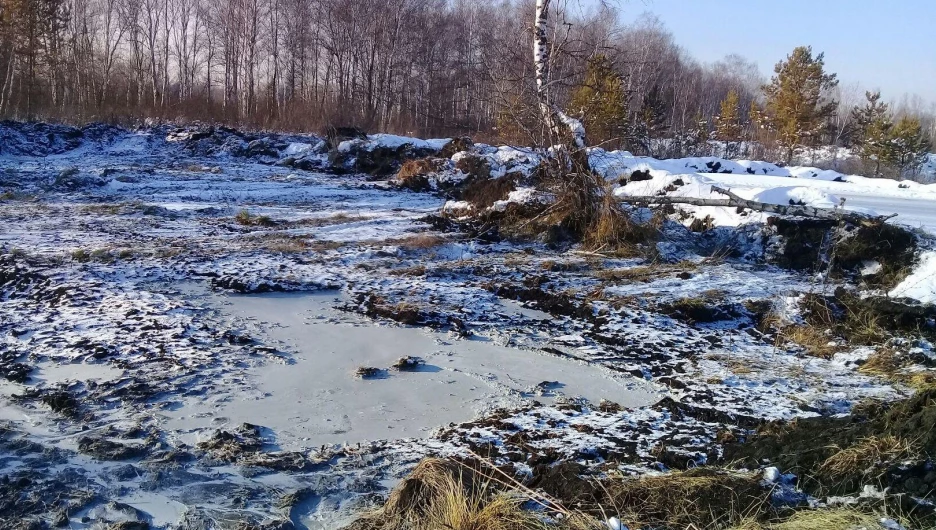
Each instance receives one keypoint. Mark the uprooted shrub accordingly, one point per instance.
(583, 210)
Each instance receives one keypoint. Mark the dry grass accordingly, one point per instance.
(817, 341)
(245, 218)
(862, 457)
(413, 174)
(415, 270)
(643, 273)
(611, 229)
(417, 241)
(828, 519)
(885, 362)
(334, 219)
(326, 245)
(698, 498)
(286, 245)
(441, 494)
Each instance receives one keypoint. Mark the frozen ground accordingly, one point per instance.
(187, 316)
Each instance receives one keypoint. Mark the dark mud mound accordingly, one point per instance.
(44, 139)
(814, 245)
(887, 446)
(803, 242)
(372, 158)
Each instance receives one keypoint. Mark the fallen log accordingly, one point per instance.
(794, 210)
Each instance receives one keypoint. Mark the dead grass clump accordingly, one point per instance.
(698, 498)
(828, 319)
(402, 312)
(244, 218)
(414, 174)
(285, 244)
(839, 455)
(610, 228)
(641, 273)
(442, 494)
(869, 458)
(695, 309)
(415, 270)
(418, 241)
(326, 245)
(821, 519)
(815, 340)
(884, 362)
(334, 219)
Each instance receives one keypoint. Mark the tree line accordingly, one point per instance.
(426, 67)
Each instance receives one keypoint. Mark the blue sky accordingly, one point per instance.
(889, 45)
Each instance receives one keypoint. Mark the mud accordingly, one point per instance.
(803, 446)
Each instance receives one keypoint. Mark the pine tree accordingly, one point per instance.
(601, 101)
(728, 126)
(650, 121)
(795, 104)
(907, 145)
(872, 131)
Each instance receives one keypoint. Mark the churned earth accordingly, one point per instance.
(202, 329)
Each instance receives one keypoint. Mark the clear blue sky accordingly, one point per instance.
(885, 44)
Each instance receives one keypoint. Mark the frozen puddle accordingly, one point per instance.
(317, 400)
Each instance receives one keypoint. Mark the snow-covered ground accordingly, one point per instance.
(189, 312)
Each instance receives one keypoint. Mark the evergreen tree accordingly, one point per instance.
(728, 126)
(872, 131)
(907, 145)
(796, 107)
(601, 102)
(651, 119)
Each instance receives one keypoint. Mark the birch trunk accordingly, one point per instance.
(555, 118)
(734, 201)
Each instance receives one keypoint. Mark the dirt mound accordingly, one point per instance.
(38, 139)
(810, 245)
(415, 174)
(888, 446)
(361, 156)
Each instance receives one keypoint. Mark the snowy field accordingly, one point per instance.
(184, 316)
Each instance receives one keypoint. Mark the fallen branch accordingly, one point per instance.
(794, 210)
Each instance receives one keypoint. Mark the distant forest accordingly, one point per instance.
(420, 67)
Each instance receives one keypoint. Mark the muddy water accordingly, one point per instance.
(315, 399)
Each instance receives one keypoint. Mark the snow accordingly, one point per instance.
(921, 283)
(772, 475)
(521, 195)
(162, 311)
(392, 141)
